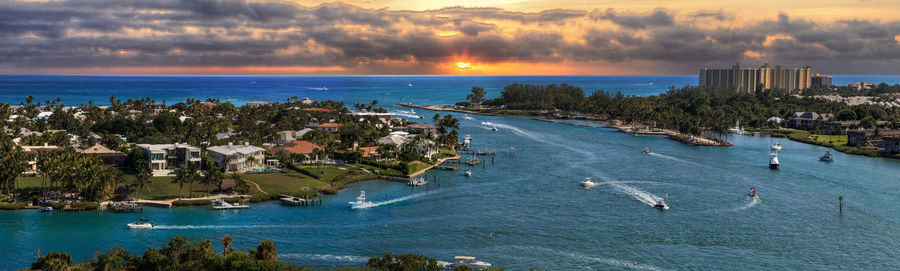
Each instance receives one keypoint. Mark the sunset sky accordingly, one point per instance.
(428, 37)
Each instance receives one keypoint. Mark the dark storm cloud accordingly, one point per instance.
(199, 33)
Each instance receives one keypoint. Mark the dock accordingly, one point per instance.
(290, 200)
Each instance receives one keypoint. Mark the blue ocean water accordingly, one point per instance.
(531, 201)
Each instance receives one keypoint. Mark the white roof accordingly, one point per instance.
(159, 147)
(229, 150)
(393, 139)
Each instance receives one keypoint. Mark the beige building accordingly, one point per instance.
(753, 79)
(165, 159)
(237, 158)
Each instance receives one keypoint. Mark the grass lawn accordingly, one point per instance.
(282, 183)
(836, 140)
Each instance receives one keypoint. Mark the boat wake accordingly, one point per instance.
(626, 264)
(408, 115)
(400, 199)
(325, 257)
(322, 88)
(191, 227)
(753, 202)
(634, 192)
(536, 137)
(468, 118)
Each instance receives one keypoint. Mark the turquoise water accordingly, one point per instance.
(539, 214)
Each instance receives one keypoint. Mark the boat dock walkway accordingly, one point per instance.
(291, 200)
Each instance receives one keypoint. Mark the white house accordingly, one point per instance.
(240, 158)
(165, 159)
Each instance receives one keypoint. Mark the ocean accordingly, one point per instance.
(530, 200)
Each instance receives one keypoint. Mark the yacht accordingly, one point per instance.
(661, 204)
(587, 183)
(468, 261)
(221, 204)
(827, 157)
(468, 173)
(417, 181)
(773, 161)
(361, 201)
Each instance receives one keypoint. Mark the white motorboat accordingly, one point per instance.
(776, 147)
(465, 116)
(827, 157)
(220, 204)
(417, 181)
(773, 161)
(737, 129)
(468, 173)
(47, 209)
(292, 201)
(661, 204)
(140, 225)
(587, 183)
(467, 261)
(646, 150)
(361, 201)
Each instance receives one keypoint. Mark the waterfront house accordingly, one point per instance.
(397, 138)
(165, 159)
(807, 120)
(842, 127)
(298, 147)
(33, 153)
(422, 128)
(237, 158)
(890, 144)
(868, 137)
(110, 157)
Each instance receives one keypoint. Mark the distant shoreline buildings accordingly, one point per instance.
(765, 77)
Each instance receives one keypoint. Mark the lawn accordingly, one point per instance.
(836, 140)
(282, 183)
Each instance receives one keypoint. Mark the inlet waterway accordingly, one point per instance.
(530, 200)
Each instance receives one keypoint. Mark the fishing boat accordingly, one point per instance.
(220, 204)
(646, 150)
(47, 209)
(361, 201)
(773, 161)
(753, 194)
(587, 183)
(827, 157)
(417, 181)
(661, 204)
(468, 173)
(467, 261)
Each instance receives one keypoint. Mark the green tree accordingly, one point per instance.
(868, 122)
(477, 95)
(267, 251)
(12, 164)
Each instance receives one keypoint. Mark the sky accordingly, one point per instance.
(445, 37)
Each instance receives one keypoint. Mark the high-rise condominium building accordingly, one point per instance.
(762, 78)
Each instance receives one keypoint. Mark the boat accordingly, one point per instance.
(661, 204)
(468, 173)
(467, 261)
(737, 129)
(410, 84)
(773, 162)
(417, 181)
(494, 128)
(776, 147)
(587, 183)
(47, 209)
(140, 225)
(361, 201)
(220, 204)
(827, 157)
(753, 194)
(466, 116)
(646, 150)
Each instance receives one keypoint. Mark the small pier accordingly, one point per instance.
(481, 153)
(125, 207)
(290, 200)
(448, 166)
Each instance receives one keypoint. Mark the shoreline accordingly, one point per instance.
(617, 124)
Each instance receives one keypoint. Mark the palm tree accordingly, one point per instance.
(142, 177)
(226, 241)
(213, 176)
(180, 178)
(267, 251)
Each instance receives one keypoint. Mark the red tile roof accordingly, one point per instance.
(297, 147)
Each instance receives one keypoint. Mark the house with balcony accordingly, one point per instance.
(166, 159)
(807, 120)
(34, 153)
(109, 157)
(237, 158)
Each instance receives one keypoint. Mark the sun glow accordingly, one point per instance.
(463, 65)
